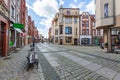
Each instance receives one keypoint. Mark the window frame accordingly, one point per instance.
(68, 30)
(106, 10)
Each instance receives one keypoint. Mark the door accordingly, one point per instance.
(61, 41)
(1, 37)
(75, 41)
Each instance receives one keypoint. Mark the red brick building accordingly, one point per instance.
(36, 34)
(23, 19)
(30, 29)
(89, 35)
(4, 27)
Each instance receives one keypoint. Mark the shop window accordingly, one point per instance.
(68, 39)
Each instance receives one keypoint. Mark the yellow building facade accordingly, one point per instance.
(108, 19)
(66, 26)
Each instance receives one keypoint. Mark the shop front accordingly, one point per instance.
(4, 25)
(115, 38)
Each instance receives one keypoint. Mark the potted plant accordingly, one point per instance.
(106, 45)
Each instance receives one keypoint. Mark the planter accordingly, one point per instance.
(105, 49)
(106, 45)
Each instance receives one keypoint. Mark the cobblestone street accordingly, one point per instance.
(60, 62)
(79, 63)
(14, 67)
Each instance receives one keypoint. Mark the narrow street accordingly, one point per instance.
(78, 63)
(61, 62)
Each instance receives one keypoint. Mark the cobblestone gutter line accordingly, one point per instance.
(48, 70)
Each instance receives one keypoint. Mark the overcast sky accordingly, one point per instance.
(43, 11)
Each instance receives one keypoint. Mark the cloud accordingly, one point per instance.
(80, 5)
(61, 2)
(75, 0)
(90, 7)
(46, 22)
(44, 32)
(46, 9)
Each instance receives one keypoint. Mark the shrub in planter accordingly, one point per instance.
(106, 45)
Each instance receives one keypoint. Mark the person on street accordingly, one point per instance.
(36, 59)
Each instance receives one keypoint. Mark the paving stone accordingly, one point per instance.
(108, 73)
(93, 66)
(117, 77)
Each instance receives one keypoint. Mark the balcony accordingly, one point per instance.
(61, 23)
(102, 23)
(71, 13)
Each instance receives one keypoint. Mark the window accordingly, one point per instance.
(87, 32)
(93, 32)
(93, 24)
(56, 32)
(83, 16)
(98, 32)
(86, 16)
(83, 24)
(68, 30)
(56, 39)
(6, 2)
(68, 39)
(68, 12)
(106, 10)
(76, 31)
(75, 20)
(12, 11)
(87, 24)
(68, 20)
(61, 30)
(17, 19)
(83, 32)
(60, 20)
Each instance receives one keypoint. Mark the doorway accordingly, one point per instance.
(85, 41)
(61, 41)
(75, 41)
(1, 37)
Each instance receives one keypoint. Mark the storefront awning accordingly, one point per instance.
(19, 30)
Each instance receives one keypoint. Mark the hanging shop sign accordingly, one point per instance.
(17, 25)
